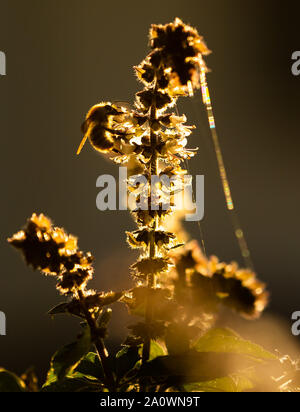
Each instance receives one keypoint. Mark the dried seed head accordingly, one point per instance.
(70, 282)
(43, 246)
(240, 290)
(164, 306)
(177, 47)
(142, 238)
(212, 282)
(51, 250)
(147, 266)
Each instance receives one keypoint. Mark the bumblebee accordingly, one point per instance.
(98, 127)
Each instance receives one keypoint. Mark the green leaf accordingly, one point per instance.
(72, 307)
(104, 318)
(97, 301)
(65, 360)
(225, 340)
(156, 350)
(58, 309)
(66, 308)
(233, 383)
(186, 332)
(195, 367)
(90, 366)
(126, 359)
(76, 384)
(9, 382)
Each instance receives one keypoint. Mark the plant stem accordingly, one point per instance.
(152, 247)
(98, 342)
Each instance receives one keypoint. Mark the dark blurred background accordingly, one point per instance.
(64, 56)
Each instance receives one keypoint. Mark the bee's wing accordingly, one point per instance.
(82, 144)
